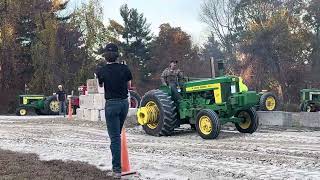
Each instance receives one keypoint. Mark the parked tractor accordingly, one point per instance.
(204, 104)
(40, 104)
(310, 100)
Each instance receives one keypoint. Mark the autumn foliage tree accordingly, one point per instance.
(174, 44)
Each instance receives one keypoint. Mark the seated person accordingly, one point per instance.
(171, 76)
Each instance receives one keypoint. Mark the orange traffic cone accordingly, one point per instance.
(125, 164)
(69, 110)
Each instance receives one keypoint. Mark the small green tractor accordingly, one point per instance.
(310, 100)
(40, 104)
(204, 104)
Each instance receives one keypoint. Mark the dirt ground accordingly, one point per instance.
(266, 154)
(28, 166)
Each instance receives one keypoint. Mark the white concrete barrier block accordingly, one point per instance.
(87, 114)
(102, 116)
(86, 101)
(82, 100)
(95, 115)
(100, 90)
(80, 114)
(92, 86)
(90, 101)
(98, 101)
(274, 118)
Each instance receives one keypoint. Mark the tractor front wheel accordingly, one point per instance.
(208, 124)
(22, 111)
(308, 107)
(250, 121)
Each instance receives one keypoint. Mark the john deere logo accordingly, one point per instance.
(201, 87)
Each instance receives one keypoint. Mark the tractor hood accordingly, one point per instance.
(209, 84)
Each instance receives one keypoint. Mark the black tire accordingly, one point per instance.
(309, 107)
(251, 118)
(49, 109)
(167, 117)
(211, 117)
(302, 107)
(263, 105)
(19, 111)
(134, 96)
(193, 127)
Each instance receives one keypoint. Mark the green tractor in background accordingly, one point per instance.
(40, 104)
(310, 100)
(204, 104)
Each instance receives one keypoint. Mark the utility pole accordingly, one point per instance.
(212, 65)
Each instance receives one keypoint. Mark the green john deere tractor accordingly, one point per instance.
(204, 104)
(310, 100)
(40, 104)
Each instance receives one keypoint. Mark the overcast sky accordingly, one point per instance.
(182, 13)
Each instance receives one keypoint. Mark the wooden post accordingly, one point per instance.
(213, 72)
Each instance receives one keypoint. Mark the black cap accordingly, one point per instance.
(173, 61)
(111, 48)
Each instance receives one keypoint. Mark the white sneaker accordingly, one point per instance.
(116, 175)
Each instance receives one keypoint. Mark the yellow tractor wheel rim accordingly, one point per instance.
(155, 124)
(270, 103)
(247, 120)
(205, 125)
(23, 112)
(54, 106)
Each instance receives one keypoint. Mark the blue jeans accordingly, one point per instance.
(62, 108)
(116, 112)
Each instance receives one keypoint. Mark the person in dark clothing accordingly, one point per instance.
(61, 97)
(115, 78)
(170, 77)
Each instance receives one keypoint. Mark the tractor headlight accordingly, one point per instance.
(233, 89)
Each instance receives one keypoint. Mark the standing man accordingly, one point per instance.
(115, 78)
(171, 76)
(61, 97)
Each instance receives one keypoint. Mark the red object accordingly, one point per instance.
(82, 90)
(70, 111)
(125, 164)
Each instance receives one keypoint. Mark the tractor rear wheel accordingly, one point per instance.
(208, 124)
(51, 105)
(250, 123)
(309, 107)
(268, 102)
(166, 118)
(21, 111)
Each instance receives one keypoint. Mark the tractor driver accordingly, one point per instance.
(171, 76)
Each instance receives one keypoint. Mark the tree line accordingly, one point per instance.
(272, 44)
